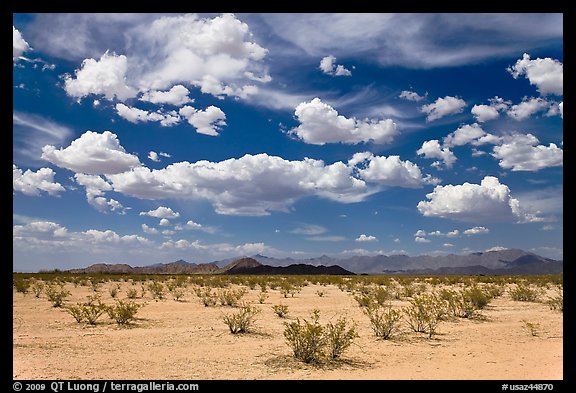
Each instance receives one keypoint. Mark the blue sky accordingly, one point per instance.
(145, 138)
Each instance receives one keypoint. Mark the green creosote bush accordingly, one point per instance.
(310, 341)
(114, 290)
(524, 293)
(21, 285)
(123, 312)
(38, 288)
(339, 337)
(381, 295)
(422, 315)
(178, 293)
(90, 312)
(262, 296)
(242, 321)
(156, 289)
(231, 297)
(557, 302)
(306, 339)
(132, 293)
(321, 293)
(363, 299)
(281, 310)
(384, 320)
(56, 294)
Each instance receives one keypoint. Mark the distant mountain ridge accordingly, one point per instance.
(509, 261)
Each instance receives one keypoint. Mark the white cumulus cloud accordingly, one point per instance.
(321, 124)
(390, 171)
(177, 96)
(469, 134)
(546, 74)
(32, 183)
(149, 230)
(216, 54)
(483, 112)
(412, 96)
(153, 156)
(19, 44)
(161, 212)
(432, 149)
(329, 67)
(366, 238)
(528, 107)
(520, 152)
(207, 122)
(96, 187)
(92, 153)
(476, 231)
(443, 107)
(419, 239)
(489, 201)
(106, 77)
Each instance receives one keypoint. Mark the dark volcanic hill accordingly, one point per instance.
(252, 266)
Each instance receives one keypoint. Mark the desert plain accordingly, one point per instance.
(184, 339)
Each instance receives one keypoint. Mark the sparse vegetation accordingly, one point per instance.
(262, 296)
(557, 302)
(132, 293)
(524, 293)
(231, 297)
(384, 320)
(242, 321)
(56, 294)
(339, 336)
(178, 293)
(21, 285)
(423, 314)
(321, 293)
(281, 310)
(114, 290)
(156, 289)
(123, 312)
(306, 339)
(38, 288)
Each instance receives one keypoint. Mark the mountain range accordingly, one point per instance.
(509, 262)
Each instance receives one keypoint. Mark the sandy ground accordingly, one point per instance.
(185, 340)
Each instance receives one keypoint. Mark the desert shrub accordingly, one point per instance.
(477, 297)
(381, 295)
(422, 314)
(408, 290)
(493, 290)
(21, 285)
(207, 297)
(156, 289)
(38, 288)
(556, 302)
(287, 288)
(123, 312)
(306, 339)
(384, 320)
(339, 337)
(263, 286)
(114, 290)
(524, 293)
(364, 300)
(281, 310)
(77, 312)
(262, 296)
(231, 297)
(95, 285)
(178, 293)
(56, 294)
(87, 311)
(321, 293)
(132, 293)
(241, 321)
